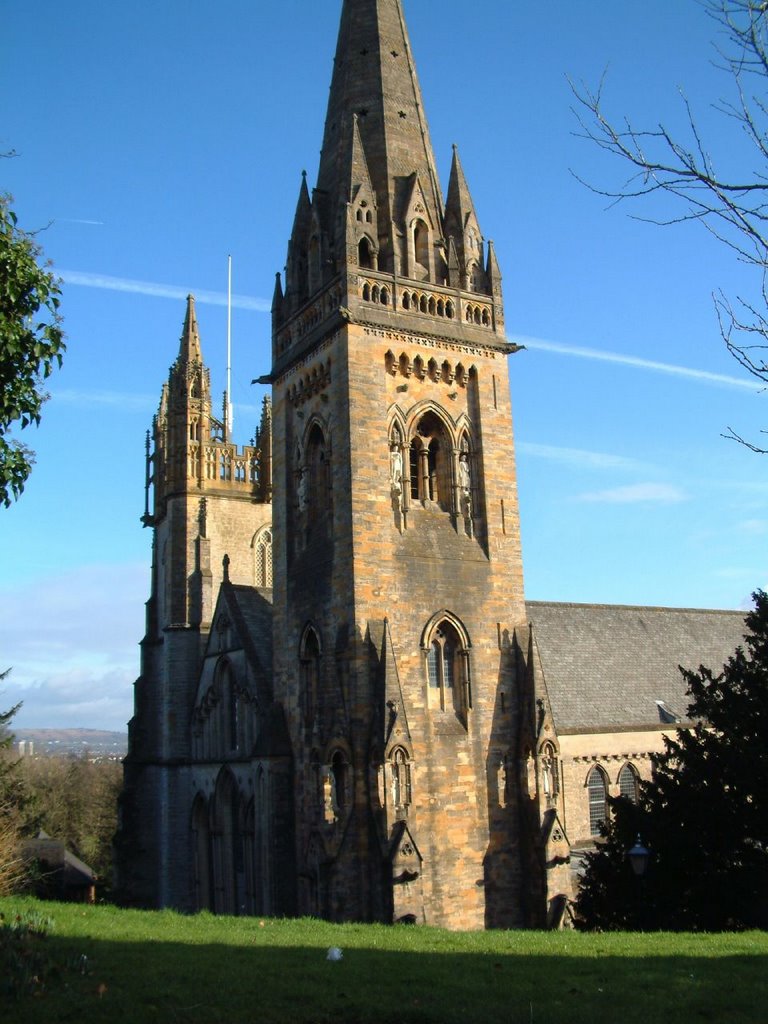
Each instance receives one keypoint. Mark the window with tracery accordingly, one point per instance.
(628, 782)
(447, 661)
(262, 558)
(430, 463)
(597, 790)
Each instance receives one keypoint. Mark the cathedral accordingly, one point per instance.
(346, 707)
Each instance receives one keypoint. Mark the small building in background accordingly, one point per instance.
(58, 874)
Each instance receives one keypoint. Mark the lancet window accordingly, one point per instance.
(628, 782)
(262, 558)
(364, 253)
(597, 790)
(339, 778)
(310, 673)
(420, 250)
(447, 668)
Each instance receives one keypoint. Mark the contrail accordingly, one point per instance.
(704, 376)
(160, 291)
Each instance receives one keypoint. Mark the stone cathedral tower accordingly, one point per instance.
(398, 576)
(357, 748)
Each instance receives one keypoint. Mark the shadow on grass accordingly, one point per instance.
(178, 983)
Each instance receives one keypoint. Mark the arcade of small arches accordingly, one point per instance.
(310, 383)
(417, 367)
(226, 720)
(429, 303)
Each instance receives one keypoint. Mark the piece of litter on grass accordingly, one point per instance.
(334, 953)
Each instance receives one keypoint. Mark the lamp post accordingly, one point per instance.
(638, 857)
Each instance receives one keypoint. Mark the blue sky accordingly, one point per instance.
(156, 138)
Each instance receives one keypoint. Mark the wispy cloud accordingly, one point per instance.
(633, 494)
(702, 376)
(102, 399)
(580, 458)
(161, 291)
(757, 527)
(78, 670)
(79, 220)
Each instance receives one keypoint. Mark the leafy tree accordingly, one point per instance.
(704, 815)
(74, 799)
(31, 344)
(663, 166)
(12, 870)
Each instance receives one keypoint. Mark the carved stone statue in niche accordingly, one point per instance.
(465, 480)
(396, 469)
(301, 489)
(501, 782)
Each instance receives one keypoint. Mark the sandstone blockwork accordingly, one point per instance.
(344, 707)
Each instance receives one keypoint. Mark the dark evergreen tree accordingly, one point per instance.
(704, 815)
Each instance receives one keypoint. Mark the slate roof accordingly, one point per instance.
(606, 666)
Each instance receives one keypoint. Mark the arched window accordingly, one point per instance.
(364, 255)
(628, 782)
(421, 250)
(201, 834)
(447, 661)
(339, 782)
(430, 462)
(262, 558)
(310, 674)
(317, 492)
(227, 858)
(401, 779)
(597, 789)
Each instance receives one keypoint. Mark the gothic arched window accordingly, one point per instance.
(420, 250)
(628, 782)
(340, 796)
(447, 664)
(317, 484)
(262, 558)
(364, 253)
(310, 673)
(597, 789)
(430, 462)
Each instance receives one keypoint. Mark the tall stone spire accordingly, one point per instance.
(189, 348)
(373, 239)
(463, 230)
(374, 81)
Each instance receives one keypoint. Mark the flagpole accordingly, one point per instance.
(228, 411)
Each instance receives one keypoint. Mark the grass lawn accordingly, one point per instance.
(104, 964)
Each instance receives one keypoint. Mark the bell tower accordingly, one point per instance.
(398, 570)
(207, 501)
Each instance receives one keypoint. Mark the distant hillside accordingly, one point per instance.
(72, 741)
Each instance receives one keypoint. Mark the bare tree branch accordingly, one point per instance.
(734, 211)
